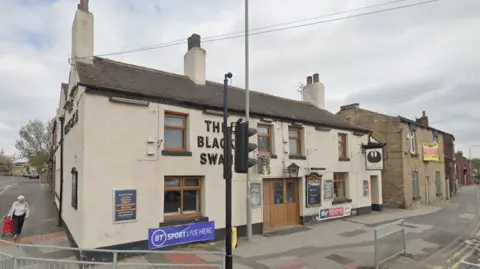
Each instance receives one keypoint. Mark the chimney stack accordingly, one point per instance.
(194, 61)
(309, 80)
(314, 91)
(82, 34)
(423, 121)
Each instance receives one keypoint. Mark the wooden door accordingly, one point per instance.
(281, 205)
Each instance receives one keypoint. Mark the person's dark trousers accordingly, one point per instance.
(18, 224)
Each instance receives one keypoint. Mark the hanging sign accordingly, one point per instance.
(374, 158)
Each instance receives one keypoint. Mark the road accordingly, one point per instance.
(42, 210)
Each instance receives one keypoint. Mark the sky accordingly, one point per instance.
(399, 62)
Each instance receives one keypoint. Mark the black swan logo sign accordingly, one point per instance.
(374, 156)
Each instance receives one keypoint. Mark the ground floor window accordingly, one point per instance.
(182, 197)
(340, 181)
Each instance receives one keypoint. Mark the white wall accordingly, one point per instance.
(116, 158)
(73, 156)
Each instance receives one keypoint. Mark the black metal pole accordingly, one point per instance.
(60, 199)
(227, 173)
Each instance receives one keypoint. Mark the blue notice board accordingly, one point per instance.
(125, 205)
(181, 234)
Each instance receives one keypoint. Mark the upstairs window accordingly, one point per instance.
(413, 141)
(342, 146)
(265, 139)
(175, 132)
(295, 141)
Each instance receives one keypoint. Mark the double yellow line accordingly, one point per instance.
(465, 256)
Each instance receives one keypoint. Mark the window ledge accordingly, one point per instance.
(342, 201)
(176, 153)
(271, 155)
(295, 157)
(181, 221)
(414, 154)
(343, 159)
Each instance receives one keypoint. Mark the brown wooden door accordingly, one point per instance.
(281, 205)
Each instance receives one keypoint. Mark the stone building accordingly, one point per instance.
(463, 169)
(414, 172)
(450, 165)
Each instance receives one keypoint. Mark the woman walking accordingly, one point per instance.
(19, 212)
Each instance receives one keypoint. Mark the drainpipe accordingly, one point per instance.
(60, 199)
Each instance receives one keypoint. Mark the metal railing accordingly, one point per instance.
(390, 240)
(13, 256)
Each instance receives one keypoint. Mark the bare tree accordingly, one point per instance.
(6, 161)
(36, 142)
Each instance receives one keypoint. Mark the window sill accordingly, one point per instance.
(271, 155)
(176, 153)
(414, 154)
(343, 159)
(341, 201)
(297, 157)
(180, 220)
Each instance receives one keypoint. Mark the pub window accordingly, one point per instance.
(295, 141)
(265, 139)
(340, 186)
(175, 132)
(182, 197)
(342, 146)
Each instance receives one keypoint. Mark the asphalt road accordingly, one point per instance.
(43, 214)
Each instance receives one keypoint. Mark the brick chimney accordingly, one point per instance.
(82, 34)
(423, 121)
(314, 91)
(195, 60)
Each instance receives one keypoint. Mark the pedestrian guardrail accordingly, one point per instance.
(13, 256)
(390, 240)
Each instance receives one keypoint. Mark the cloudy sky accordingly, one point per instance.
(398, 62)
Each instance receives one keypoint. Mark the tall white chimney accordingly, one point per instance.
(314, 91)
(194, 61)
(82, 34)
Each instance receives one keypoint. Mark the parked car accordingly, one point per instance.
(25, 174)
(33, 175)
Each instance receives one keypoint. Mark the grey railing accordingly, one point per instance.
(390, 240)
(13, 256)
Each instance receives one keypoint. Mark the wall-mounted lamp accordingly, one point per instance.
(292, 170)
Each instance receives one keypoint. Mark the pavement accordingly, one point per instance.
(434, 233)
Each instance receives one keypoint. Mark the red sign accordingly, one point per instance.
(336, 212)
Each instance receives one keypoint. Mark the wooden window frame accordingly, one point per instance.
(343, 140)
(181, 188)
(299, 139)
(269, 136)
(173, 127)
(337, 177)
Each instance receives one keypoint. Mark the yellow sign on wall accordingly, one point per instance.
(431, 152)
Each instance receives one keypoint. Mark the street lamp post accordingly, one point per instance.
(470, 157)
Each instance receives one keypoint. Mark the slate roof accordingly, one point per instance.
(108, 75)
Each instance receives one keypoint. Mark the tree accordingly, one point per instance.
(6, 161)
(36, 142)
(476, 167)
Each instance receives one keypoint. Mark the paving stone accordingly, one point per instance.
(276, 261)
(352, 233)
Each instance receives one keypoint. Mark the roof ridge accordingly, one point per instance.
(207, 81)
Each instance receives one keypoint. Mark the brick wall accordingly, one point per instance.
(449, 151)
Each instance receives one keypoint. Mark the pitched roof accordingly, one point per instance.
(105, 74)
